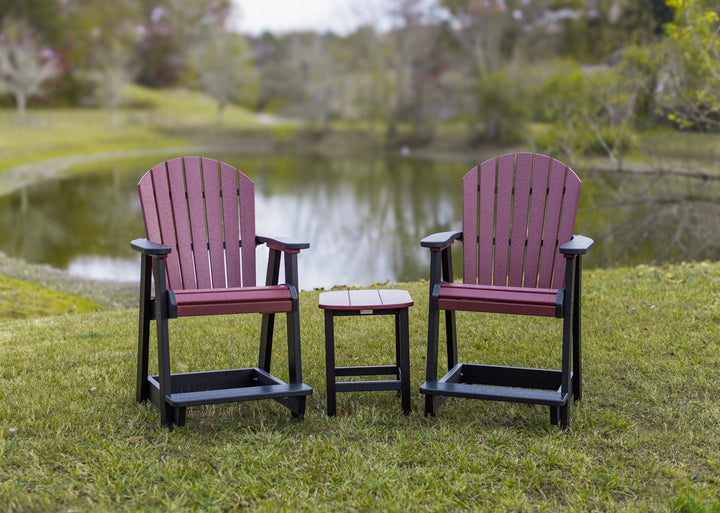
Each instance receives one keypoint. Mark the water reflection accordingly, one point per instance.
(363, 217)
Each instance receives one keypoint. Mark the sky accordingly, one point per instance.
(339, 16)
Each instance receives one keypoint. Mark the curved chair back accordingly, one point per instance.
(203, 209)
(517, 210)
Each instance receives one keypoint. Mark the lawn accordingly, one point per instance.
(644, 438)
(153, 120)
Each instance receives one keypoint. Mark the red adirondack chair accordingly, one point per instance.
(200, 251)
(519, 257)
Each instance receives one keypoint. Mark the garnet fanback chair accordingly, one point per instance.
(519, 257)
(200, 252)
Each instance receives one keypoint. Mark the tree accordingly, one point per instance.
(102, 39)
(170, 30)
(223, 65)
(112, 72)
(25, 66)
(691, 85)
(46, 17)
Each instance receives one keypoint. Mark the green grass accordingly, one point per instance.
(168, 119)
(644, 438)
(23, 300)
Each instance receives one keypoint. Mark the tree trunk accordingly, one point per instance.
(21, 100)
(221, 113)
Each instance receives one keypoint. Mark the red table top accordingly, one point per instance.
(364, 299)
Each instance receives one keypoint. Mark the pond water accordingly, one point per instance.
(363, 217)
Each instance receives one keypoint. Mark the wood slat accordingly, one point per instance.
(521, 202)
(231, 225)
(213, 207)
(541, 172)
(176, 180)
(149, 209)
(486, 221)
(553, 209)
(198, 222)
(567, 224)
(503, 218)
(246, 199)
(164, 209)
(470, 225)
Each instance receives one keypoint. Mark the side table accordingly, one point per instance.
(368, 302)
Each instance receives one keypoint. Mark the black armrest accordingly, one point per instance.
(441, 239)
(578, 245)
(150, 248)
(282, 243)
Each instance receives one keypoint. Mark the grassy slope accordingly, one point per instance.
(167, 119)
(643, 439)
(23, 300)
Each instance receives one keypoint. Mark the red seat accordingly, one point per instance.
(200, 252)
(233, 300)
(519, 257)
(509, 300)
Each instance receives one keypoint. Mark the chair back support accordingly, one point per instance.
(203, 209)
(517, 210)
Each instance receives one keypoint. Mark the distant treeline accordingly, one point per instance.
(591, 72)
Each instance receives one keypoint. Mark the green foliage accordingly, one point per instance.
(45, 16)
(591, 111)
(501, 104)
(691, 94)
(644, 437)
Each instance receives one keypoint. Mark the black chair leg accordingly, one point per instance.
(179, 416)
(432, 357)
(554, 415)
(266, 341)
(330, 364)
(142, 392)
(451, 331)
(564, 415)
(297, 407)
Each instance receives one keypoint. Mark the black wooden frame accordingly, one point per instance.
(401, 369)
(548, 387)
(173, 393)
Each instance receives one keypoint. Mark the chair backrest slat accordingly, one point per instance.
(178, 198)
(553, 208)
(157, 209)
(503, 217)
(485, 218)
(541, 172)
(521, 207)
(213, 208)
(567, 223)
(201, 208)
(198, 226)
(517, 210)
(246, 197)
(470, 235)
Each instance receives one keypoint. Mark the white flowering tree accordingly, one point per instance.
(224, 68)
(24, 65)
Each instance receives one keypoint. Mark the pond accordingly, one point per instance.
(363, 217)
